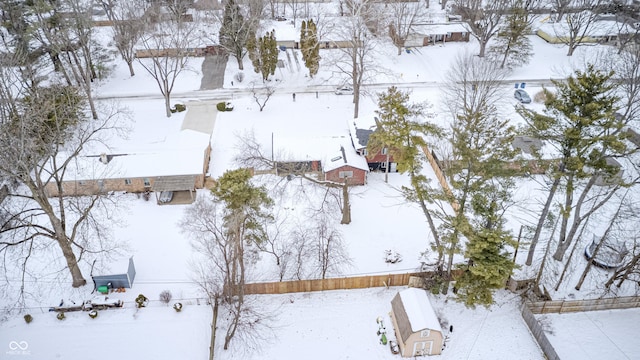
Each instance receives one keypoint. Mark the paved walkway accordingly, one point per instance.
(201, 116)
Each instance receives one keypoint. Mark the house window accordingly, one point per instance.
(147, 182)
(345, 174)
(82, 182)
(384, 151)
(127, 181)
(448, 35)
(425, 333)
(365, 152)
(101, 184)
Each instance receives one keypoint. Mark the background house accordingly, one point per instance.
(176, 161)
(416, 325)
(432, 34)
(361, 129)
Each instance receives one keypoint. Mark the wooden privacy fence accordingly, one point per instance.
(358, 282)
(546, 307)
(565, 306)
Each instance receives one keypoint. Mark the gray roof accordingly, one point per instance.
(174, 183)
(363, 136)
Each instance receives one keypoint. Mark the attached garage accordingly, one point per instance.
(179, 189)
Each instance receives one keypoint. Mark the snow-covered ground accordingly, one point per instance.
(607, 334)
(327, 325)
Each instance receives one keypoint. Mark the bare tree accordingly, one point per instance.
(43, 138)
(65, 30)
(578, 24)
(403, 17)
(482, 18)
(128, 26)
(262, 94)
(251, 154)
(223, 228)
(357, 57)
(237, 26)
(168, 46)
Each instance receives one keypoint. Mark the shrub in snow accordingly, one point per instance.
(224, 106)
(392, 257)
(60, 316)
(28, 318)
(178, 108)
(540, 97)
(177, 306)
(141, 301)
(93, 314)
(165, 296)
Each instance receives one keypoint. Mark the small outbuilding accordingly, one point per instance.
(416, 325)
(116, 279)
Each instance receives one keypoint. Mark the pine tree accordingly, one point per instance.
(310, 47)
(252, 51)
(580, 123)
(402, 128)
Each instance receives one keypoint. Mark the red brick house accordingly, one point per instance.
(345, 164)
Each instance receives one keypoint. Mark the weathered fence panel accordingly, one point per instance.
(538, 333)
(357, 282)
(545, 307)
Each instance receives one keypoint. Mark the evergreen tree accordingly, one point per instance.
(402, 129)
(513, 48)
(265, 58)
(252, 51)
(310, 47)
(580, 123)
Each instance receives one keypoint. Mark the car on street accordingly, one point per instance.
(344, 90)
(522, 96)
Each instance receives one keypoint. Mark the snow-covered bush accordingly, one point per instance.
(165, 296)
(61, 316)
(141, 301)
(93, 314)
(177, 307)
(28, 318)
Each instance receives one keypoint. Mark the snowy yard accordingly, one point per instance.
(321, 325)
(607, 334)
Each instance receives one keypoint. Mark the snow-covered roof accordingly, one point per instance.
(440, 29)
(419, 311)
(182, 155)
(597, 29)
(343, 155)
(332, 151)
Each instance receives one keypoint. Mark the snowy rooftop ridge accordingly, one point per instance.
(419, 311)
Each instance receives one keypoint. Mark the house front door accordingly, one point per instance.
(421, 348)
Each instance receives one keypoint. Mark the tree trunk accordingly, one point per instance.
(504, 58)
(131, 72)
(214, 326)
(541, 220)
(167, 104)
(483, 47)
(72, 261)
(346, 206)
(565, 212)
(240, 62)
(399, 50)
(386, 169)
